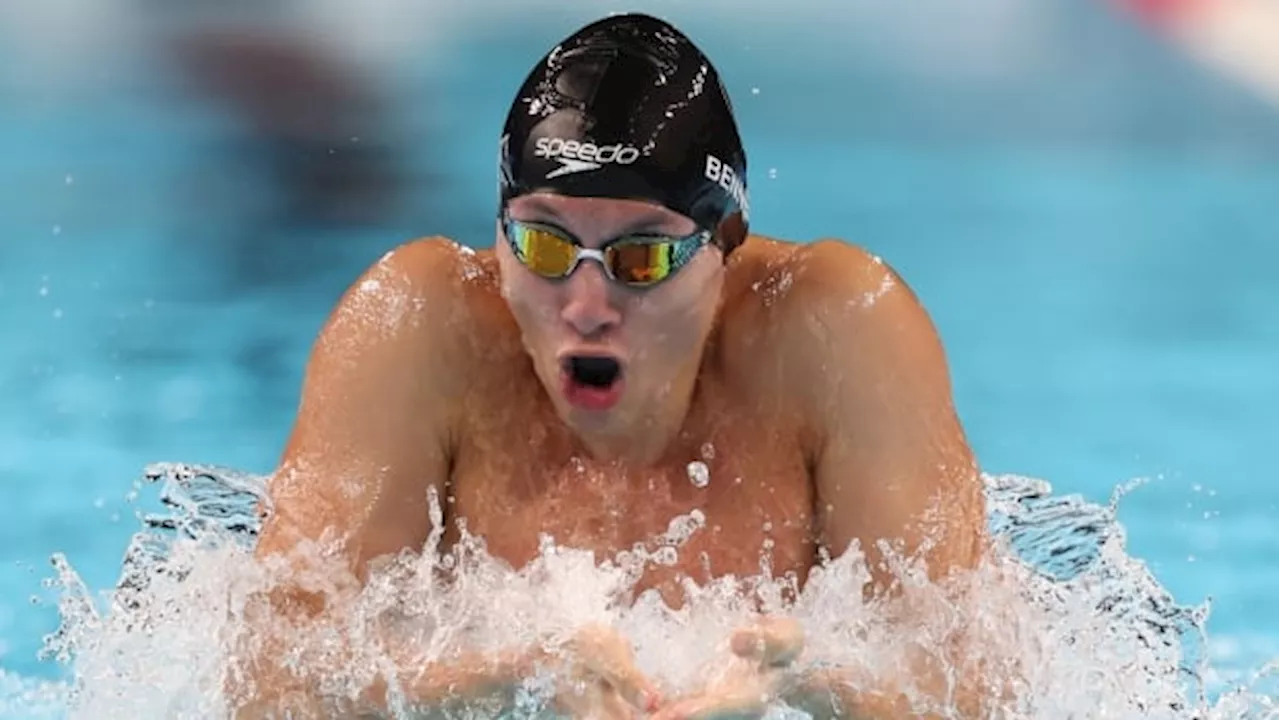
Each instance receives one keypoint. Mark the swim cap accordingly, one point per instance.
(628, 107)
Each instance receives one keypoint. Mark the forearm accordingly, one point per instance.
(306, 669)
(475, 680)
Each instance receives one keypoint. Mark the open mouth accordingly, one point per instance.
(592, 382)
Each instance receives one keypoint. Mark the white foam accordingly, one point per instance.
(1105, 635)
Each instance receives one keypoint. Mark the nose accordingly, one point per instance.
(588, 308)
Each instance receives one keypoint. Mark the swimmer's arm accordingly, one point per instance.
(892, 464)
(369, 446)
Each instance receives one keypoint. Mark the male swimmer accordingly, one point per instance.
(624, 321)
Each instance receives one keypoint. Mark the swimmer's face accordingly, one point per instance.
(579, 329)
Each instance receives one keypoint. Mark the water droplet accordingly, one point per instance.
(755, 91)
(57, 313)
(665, 556)
(682, 527)
(773, 173)
(699, 475)
(44, 292)
(57, 229)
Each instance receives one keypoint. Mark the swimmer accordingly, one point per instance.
(624, 326)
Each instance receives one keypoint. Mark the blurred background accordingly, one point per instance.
(1083, 192)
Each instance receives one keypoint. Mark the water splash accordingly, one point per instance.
(1092, 631)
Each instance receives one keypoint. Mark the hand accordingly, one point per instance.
(602, 681)
(764, 652)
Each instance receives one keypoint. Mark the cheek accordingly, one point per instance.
(532, 301)
(672, 323)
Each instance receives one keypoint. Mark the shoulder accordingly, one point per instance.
(425, 287)
(831, 274)
(813, 306)
(432, 266)
(827, 279)
(836, 288)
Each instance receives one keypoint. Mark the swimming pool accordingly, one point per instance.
(1089, 223)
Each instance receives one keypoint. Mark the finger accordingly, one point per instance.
(683, 710)
(628, 680)
(593, 699)
(606, 654)
(772, 642)
(613, 706)
(638, 690)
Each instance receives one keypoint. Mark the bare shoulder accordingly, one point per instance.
(430, 261)
(800, 309)
(780, 283)
(431, 268)
(837, 273)
(426, 289)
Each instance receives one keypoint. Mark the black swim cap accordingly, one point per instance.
(628, 107)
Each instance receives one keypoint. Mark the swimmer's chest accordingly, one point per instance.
(747, 494)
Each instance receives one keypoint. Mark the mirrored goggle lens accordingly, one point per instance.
(542, 250)
(640, 263)
(550, 254)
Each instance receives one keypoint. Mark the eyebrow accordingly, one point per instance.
(544, 209)
(645, 224)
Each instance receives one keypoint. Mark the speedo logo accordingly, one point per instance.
(576, 156)
(722, 174)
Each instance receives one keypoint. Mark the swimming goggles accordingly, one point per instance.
(636, 260)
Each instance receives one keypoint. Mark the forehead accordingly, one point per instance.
(606, 211)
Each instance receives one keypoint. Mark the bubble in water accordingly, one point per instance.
(708, 451)
(699, 475)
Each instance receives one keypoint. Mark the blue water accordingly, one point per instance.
(1092, 232)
